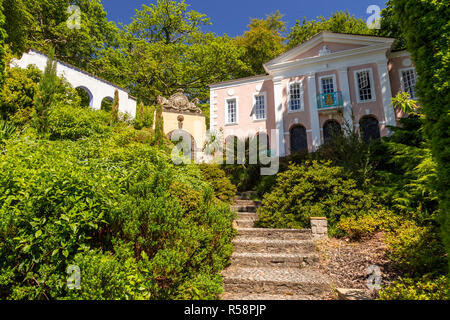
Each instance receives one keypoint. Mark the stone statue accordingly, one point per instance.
(179, 103)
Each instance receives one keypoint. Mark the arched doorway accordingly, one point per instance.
(86, 96)
(299, 139)
(331, 129)
(184, 141)
(370, 128)
(107, 103)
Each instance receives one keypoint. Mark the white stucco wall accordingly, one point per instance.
(98, 88)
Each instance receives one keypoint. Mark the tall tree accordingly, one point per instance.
(390, 27)
(164, 49)
(42, 24)
(159, 126)
(45, 95)
(19, 23)
(115, 108)
(262, 42)
(339, 22)
(426, 27)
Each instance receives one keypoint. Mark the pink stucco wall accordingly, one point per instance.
(395, 65)
(375, 108)
(244, 94)
(297, 118)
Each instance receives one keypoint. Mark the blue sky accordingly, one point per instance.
(232, 16)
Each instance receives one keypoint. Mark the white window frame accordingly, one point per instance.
(261, 94)
(226, 111)
(372, 86)
(402, 83)
(302, 96)
(333, 76)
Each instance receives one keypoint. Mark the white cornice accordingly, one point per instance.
(238, 82)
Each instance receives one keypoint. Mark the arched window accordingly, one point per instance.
(331, 129)
(299, 139)
(107, 104)
(85, 95)
(370, 129)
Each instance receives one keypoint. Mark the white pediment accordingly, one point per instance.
(327, 43)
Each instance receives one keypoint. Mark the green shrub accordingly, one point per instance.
(365, 226)
(216, 177)
(266, 185)
(315, 189)
(73, 123)
(17, 101)
(145, 117)
(350, 152)
(416, 249)
(425, 288)
(109, 209)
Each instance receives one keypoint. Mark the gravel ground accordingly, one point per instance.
(346, 263)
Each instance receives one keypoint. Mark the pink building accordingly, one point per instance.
(330, 81)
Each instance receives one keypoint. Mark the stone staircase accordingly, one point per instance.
(271, 264)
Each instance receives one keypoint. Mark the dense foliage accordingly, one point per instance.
(426, 27)
(262, 42)
(109, 204)
(314, 189)
(2, 44)
(86, 188)
(216, 177)
(338, 22)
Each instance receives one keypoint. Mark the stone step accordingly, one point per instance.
(279, 260)
(275, 281)
(246, 223)
(244, 208)
(275, 234)
(248, 245)
(265, 297)
(245, 195)
(247, 216)
(247, 203)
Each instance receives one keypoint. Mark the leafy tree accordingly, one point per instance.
(42, 24)
(164, 50)
(167, 22)
(19, 22)
(390, 27)
(45, 96)
(339, 22)
(262, 42)
(427, 30)
(159, 126)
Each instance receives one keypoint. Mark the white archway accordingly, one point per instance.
(89, 93)
(96, 87)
